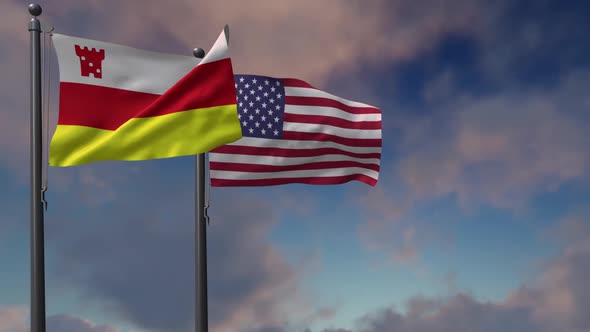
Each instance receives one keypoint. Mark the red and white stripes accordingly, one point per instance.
(326, 140)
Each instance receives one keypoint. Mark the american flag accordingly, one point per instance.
(295, 133)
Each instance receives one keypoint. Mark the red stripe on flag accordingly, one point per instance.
(295, 83)
(282, 152)
(308, 180)
(257, 168)
(332, 121)
(300, 136)
(207, 85)
(99, 107)
(325, 102)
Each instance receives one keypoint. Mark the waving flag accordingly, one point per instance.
(295, 133)
(122, 103)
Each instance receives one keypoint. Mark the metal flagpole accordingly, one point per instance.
(201, 317)
(201, 311)
(37, 236)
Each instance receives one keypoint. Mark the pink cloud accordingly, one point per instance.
(293, 38)
(498, 151)
(14, 115)
(288, 38)
(13, 319)
(16, 319)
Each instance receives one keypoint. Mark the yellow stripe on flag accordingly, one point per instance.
(176, 134)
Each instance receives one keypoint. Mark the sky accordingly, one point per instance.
(479, 221)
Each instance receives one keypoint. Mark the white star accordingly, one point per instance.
(272, 101)
(263, 131)
(260, 87)
(278, 83)
(272, 89)
(251, 92)
(247, 85)
(266, 94)
(269, 125)
(263, 118)
(266, 82)
(276, 132)
(251, 117)
(257, 111)
(277, 119)
(278, 107)
(241, 104)
(239, 116)
(263, 105)
(270, 112)
(251, 130)
(257, 98)
(279, 96)
(257, 124)
(241, 79)
(254, 81)
(251, 104)
(244, 123)
(241, 91)
(245, 109)
(245, 97)
(236, 85)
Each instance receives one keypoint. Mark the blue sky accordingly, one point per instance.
(478, 222)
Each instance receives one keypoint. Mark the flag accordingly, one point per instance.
(123, 103)
(295, 133)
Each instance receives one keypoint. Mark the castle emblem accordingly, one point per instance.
(90, 61)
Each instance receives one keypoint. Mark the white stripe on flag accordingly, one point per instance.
(283, 161)
(130, 68)
(330, 111)
(230, 175)
(300, 145)
(330, 130)
(308, 92)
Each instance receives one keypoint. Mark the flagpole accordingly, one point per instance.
(200, 246)
(201, 311)
(37, 233)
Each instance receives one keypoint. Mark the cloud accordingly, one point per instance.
(67, 323)
(479, 133)
(556, 299)
(498, 150)
(531, 44)
(14, 82)
(139, 266)
(390, 231)
(287, 38)
(15, 319)
(561, 298)
(461, 313)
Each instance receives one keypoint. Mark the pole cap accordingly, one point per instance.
(199, 53)
(35, 9)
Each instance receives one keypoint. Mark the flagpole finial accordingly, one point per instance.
(199, 53)
(35, 9)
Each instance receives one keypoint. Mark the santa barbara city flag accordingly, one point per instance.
(123, 103)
